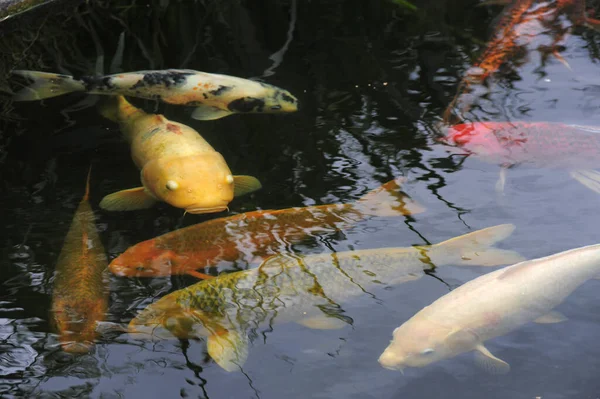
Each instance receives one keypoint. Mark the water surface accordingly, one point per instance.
(373, 80)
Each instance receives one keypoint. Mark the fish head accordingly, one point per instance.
(416, 344)
(269, 99)
(148, 259)
(200, 183)
(481, 138)
(167, 319)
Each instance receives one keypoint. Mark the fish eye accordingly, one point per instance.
(427, 351)
(172, 185)
(276, 107)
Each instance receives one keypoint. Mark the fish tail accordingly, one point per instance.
(46, 85)
(477, 248)
(389, 200)
(86, 196)
(116, 107)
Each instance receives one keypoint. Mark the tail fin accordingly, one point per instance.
(86, 196)
(476, 248)
(117, 107)
(389, 200)
(109, 108)
(46, 85)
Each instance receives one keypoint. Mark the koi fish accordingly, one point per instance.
(490, 306)
(538, 144)
(214, 96)
(80, 289)
(177, 165)
(307, 290)
(252, 235)
(523, 21)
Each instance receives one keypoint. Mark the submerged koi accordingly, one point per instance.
(538, 144)
(252, 235)
(490, 306)
(522, 22)
(177, 165)
(213, 95)
(80, 289)
(307, 290)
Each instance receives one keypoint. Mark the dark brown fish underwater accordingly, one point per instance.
(80, 289)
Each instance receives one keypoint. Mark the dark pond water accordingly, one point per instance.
(373, 80)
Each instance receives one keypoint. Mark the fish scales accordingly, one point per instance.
(292, 285)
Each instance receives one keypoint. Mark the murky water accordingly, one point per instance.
(373, 80)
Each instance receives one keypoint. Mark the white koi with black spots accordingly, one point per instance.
(214, 95)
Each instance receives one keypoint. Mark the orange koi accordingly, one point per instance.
(80, 290)
(253, 235)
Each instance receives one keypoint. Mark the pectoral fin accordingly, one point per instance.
(322, 322)
(127, 200)
(208, 113)
(589, 178)
(489, 362)
(551, 317)
(245, 185)
(462, 340)
(228, 349)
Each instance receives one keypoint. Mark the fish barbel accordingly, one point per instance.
(80, 289)
(307, 290)
(251, 235)
(490, 306)
(214, 96)
(537, 144)
(177, 165)
(525, 25)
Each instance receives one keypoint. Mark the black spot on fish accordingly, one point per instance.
(247, 104)
(220, 90)
(89, 82)
(162, 78)
(287, 98)
(205, 95)
(97, 83)
(139, 84)
(107, 82)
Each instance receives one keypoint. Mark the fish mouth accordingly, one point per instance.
(390, 362)
(200, 210)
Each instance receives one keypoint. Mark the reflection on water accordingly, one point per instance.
(373, 79)
(308, 290)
